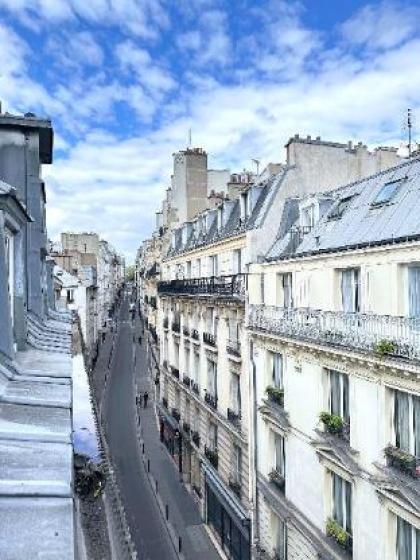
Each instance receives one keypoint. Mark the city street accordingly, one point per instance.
(117, 390)
(145, 520)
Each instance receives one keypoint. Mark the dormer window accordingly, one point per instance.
(340, 207)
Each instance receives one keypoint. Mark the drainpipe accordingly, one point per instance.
(255, 530)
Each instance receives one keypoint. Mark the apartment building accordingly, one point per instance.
(206, 374)
(334, 338)
(36, 496)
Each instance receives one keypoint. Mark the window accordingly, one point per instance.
(187, 361)
(212, 435)
(279, 459)
(276, 370)
(350, 290)
(236, 463)
(212, 378)
(235, 393)
(213, 265)
(177, 399)
(187, 415)
(237, 261)
(234, 334)
(387, 192)
(188, 269)
(199, 268)
(196, 419)
(70, 296)
(341, 494)
(407, 422)
(414, 291)
(340, 207)
(211, 321)
(287, 289)
(339, 395)
(176, 355)
(408, 541)
(196, 367)
(280, 539)
(262, 288)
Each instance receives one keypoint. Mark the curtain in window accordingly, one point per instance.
(338, 511)
(287, 290)
(277, 373)
(347, 486)
(211, 378)
(416, 414)
(404, 540)
(347, 291)
(234, 393)
(401, 421)
(335, 393)
(281, 539)
(279, 454)
(414, 291)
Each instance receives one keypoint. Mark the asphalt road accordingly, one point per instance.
(143, 515)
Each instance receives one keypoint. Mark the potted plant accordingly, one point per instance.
(275, 394)
(385, 346)
(339, 534)
(333, 423)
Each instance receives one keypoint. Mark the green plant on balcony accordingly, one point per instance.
(275, 394)
(402, 460)
(385, 346)
(339, 534)
(333, 423)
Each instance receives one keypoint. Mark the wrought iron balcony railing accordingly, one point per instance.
(209, 338)
(277, 478)
(186, 331)
(186, 380)
(175, 372)
(382, 334)
(212, 455)
(152, 302)
(165, 402)
(233, 347)
(235, 484)
(225, 286)
(175, 414)
(165, 323)
(234, 417)
(186, 427)
(194, 334)
(196, 438)
(195, 388)
(211, 400)
(176, 327)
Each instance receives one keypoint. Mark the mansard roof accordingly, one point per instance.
(383, 208)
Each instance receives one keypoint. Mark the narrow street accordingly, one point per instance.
(145, 520)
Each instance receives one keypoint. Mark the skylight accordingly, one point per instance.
(387, 192)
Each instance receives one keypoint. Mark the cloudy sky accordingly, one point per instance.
(124, 81)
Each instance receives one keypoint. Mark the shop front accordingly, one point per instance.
(227, 518)
(171, 436)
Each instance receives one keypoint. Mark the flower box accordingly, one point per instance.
(403, 461)
(339, 534)
(277, 479)
(275, 395)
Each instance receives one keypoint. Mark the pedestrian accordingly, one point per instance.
(146, 398)
(140, 340)
(140, 400)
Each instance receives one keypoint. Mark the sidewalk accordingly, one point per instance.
(183, 512)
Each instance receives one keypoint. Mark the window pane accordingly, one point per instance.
(348, 506)
(335, 393)
(338, 513)
(404, 540)
(416, 413)
(401, 421)
(414, 291)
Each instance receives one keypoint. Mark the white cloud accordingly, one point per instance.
(384, 26)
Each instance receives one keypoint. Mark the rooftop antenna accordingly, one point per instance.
(257, 163)
(409, 127)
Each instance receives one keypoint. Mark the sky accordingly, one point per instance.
(124, 80)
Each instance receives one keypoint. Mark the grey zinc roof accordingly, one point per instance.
(234, 225)
(364, 223)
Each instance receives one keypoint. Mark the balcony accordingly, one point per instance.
(235, 484)
(176, 327)
(212, 456)
(222, 286)
(166, 323)
(186, 427)
(233, 348)
(195, 388)
(175, 372)
(335, 425)
(175, 414)
(275, 395)
(185, 331)
(384, 335)
(234, 417)
(165, 402)
(195, 436)
(211, 400)
(209, 338)
(194, 334)
(186, 381)
(277, 479)
(403, 461)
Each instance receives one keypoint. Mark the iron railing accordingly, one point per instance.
(175, 414)
(175, 372)
(194, 334)
(234, 417)
(186, 331)
(234, 347)
(195, 388)
(209, 338)
(225, 286)
(211, 400)
(165, 323)
(382, 334)
(176, 327)
(186, 380)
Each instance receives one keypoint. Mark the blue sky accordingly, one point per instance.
(124, 80)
